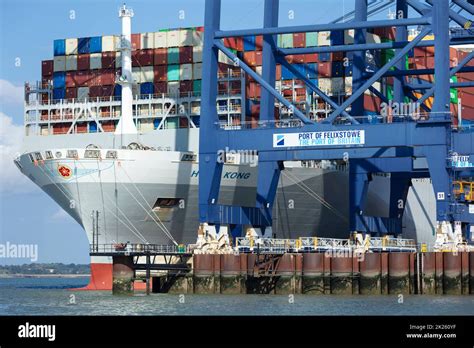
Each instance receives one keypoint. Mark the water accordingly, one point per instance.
(51, 296)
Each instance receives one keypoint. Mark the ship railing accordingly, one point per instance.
(317, 244)
(293, 123)
(132, 248)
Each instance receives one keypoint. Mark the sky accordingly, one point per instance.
(27, 31)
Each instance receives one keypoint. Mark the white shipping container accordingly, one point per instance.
(173, 87)
(108, 43)
(59, 63)
(197, 54)
(137, 75)
(172, 38)
(377, 85)
(186, 37)
(71, 46)
(160, 39)
(197, 71)
(349, 37)
(372, 38)
(332, 85)
(44, 130)
(258, 70)
(348, 85)
(186, 72)
(118, 59)
(224, 59)
(146, 74)
(71, 63)
(95, 61)
(147, 40)
(198, 38)
(324, 38)
(146, 125)
(82, 93)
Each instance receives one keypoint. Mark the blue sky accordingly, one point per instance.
(27, 31)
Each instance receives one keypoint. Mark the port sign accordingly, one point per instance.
(349, 137)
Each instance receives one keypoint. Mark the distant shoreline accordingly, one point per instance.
(44, 275)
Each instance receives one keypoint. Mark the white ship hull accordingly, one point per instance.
(125, 190)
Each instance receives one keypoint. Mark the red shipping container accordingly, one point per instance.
(81, 127)
(160, 56)
(161, 87)
(201, 29)
(278, 72)
(44, 99)
(236, 43)
(136, 41)
(311, 58)
(47, 68)
(185, 55)
(337, 56)
(253, 58)
(160, 73)
(325, 69)
(253, 90)
(185, 88)
(222, 87)
(290, 58)
(463, 77)
(299, 40)
(71, 92)
(107, 76)
(71, 79)
(83, 61)
(371, 103)
(235, 87)
(298, 58)
(223, 69)
(108, 60)
(108, 126)
(467, 99)
(101, 91)
(142, 58)
(183, 122)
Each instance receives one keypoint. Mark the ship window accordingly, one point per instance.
(59, 154)
(38, 156)
(49, 155)
(72, 154)
(30, 155)
(188, 157)
(92, 154)
(167, 202)
(111, 154)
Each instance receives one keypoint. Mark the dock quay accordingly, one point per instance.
(311, 266)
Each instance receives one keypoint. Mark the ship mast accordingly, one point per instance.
(126, 124)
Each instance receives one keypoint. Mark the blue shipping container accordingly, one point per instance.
(59, 93)
(196, 120)
(95, 44)
(59, 79)
(59, 47)
(92, 127)
(83, 45)
(249, 43)
(348, 68)
(312, 70)
(337, 37)
(156, 123)
(337, 69)
(147, 88)
(118, 90)
(324, 56)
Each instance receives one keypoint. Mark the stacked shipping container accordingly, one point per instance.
(170, 62)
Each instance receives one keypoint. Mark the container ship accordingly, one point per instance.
(112, 131)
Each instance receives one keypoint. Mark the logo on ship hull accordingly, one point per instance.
(64, 171)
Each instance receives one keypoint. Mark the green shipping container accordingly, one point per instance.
(311, 39)
(173, 72)
(453, 92)
(197, 87)
(173, 55)
(172, 122)
(287, 41)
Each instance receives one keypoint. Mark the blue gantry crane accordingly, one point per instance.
(408, 146)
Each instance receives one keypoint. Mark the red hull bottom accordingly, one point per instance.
(101, 278)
